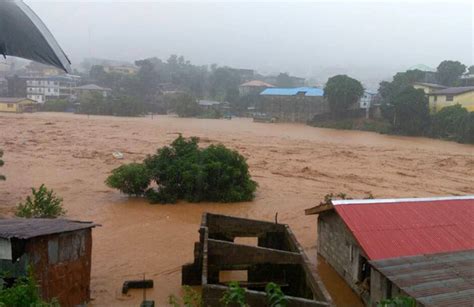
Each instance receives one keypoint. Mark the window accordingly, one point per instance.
(10, 105)
(449, 98)
(435, 98)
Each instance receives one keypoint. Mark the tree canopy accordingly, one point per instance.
(448, 72)
(410, 112)
(342, 91)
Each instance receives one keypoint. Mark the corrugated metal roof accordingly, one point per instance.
(293, 91)
(454, 90)
(30, 228)
(388, 229)
(445, 279)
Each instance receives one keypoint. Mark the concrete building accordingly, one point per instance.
(352, 234)
(42, 89)
(253, 87)
(57, 250)
(299, 104)
(121, 69)
(90, 89)
(252, 253)
(17, 105)
(463, 95)
(428, 88)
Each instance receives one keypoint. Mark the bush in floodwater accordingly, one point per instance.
(43, 203)
(185, 171)
(131, 179)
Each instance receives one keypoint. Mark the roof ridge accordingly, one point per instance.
(339, 202)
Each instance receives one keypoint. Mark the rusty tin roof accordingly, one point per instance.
(29, 228)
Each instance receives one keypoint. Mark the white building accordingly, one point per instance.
(366, 100)
(42, 89)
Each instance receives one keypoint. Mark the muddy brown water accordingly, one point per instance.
(294, 165)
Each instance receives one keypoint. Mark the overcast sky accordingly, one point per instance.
(361, 38)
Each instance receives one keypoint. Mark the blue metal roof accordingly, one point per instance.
(293, 91)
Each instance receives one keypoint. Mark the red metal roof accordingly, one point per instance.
(391, 228)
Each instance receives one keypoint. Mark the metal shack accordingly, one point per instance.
(355, 236)
(274, 256)
(57, 250)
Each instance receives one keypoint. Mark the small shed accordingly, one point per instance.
(354, 233)
(57, 250)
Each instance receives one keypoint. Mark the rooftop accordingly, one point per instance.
(293, 91)
(432, 85)
(30, 228)
(454, 90)
(433, 280)
(14, 99)
(388, 228)
(257, 83)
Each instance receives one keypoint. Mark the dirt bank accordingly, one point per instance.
(295, 166)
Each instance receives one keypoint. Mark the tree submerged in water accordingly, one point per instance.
(183, 171)
(43, 203)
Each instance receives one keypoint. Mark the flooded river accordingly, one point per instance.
(294, 165)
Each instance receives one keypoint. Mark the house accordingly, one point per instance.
(352, 234)
(252, 253)
(208, 105)
(463, 95)
(298, 104)
(444, 279)
(253, 87)
(17, 105)
(366, 101)
(57, 250)
(42, 89)
(121, 69)
(92, 88)
(428, 88)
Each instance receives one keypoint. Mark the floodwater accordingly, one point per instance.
(294, 165)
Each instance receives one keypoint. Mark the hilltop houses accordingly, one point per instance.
(417, 247)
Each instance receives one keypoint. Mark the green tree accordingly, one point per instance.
(58, 105)
(453, 123)
(448, 72)
(410, 112)
(43, 203)
(470, 70)
(24, 292)
(131, 179)
(185, 171)
(234, 295)
(342, 92)
(185, 105)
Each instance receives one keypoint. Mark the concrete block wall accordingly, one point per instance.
(334, 245)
